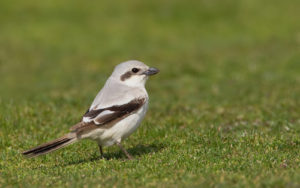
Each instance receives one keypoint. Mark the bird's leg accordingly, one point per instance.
(101, 151)
(124, 150)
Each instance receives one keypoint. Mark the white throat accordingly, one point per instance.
(136, 81)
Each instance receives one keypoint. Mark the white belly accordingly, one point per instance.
(120, 130)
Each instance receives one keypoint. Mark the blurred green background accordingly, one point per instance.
(230, 76)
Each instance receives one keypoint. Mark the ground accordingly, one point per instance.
(224, 110)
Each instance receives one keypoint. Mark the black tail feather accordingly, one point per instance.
(50, 146)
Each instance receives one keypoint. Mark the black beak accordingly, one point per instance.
(151, 71)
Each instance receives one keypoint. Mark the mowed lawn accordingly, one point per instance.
(224, 110)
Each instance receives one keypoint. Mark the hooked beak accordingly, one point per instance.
(151, 71)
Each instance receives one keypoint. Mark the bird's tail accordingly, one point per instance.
(51, 146)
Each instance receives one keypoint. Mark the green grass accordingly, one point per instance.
(224, 110)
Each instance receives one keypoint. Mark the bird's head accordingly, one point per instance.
(133, 73)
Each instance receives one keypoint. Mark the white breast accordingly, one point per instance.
(120, 130)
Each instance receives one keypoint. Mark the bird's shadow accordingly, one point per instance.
(135, 151)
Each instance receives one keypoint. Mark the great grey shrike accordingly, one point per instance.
(115, 113)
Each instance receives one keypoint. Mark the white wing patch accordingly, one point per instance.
(103, 113)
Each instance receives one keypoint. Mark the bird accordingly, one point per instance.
(115, 113)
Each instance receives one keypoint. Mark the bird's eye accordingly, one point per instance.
(135, 70)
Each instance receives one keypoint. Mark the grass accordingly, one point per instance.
(224, 110)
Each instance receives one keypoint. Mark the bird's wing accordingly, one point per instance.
(114, 102)
(104, 115)
(107, 117)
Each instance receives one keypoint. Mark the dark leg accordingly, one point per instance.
(101, 151)
(124, 150)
